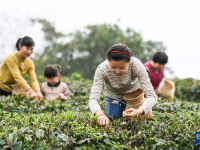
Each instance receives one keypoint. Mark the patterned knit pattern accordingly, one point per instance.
(116, 86)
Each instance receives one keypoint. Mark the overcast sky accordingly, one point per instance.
(174, 22)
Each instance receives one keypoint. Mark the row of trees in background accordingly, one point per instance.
(86, 49)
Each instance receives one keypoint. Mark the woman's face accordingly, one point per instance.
(118, 67)
(25, 51)
(157, 66)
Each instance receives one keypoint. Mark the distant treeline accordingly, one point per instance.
(87, 48)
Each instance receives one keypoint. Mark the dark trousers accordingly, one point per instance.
(4, 93)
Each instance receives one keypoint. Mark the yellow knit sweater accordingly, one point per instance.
(13, 70)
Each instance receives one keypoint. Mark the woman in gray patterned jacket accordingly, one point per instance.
(122, 73)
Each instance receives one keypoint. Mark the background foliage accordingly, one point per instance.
(83, 50)
(187, 89)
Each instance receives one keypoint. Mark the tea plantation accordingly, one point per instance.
(45, 125)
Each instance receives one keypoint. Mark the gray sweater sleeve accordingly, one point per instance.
(151, 98)
(96, 91)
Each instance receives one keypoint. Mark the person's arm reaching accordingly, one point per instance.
(66, 94)
(34, 82)
(146, 86)
(95, 97)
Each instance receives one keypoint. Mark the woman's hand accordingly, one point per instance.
(102, 119)
(32, 94)
(158, 90)
(132, 113)
(41, 97)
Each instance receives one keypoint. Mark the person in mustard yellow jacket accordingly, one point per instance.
(16, 65)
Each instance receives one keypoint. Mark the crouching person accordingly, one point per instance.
(54, 88)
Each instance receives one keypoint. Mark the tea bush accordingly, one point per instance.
(187, 89)
(52, 125)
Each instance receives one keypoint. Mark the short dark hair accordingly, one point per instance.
(119, 56)
(160, 57)
(52, 71)
(25, 41)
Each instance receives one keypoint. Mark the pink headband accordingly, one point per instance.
(120, 52)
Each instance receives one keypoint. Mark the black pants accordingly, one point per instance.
(4, 93)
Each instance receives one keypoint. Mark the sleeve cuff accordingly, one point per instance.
(144, 108)
(148, 105)
(36, 88)
(94, 108)
(27, 88)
